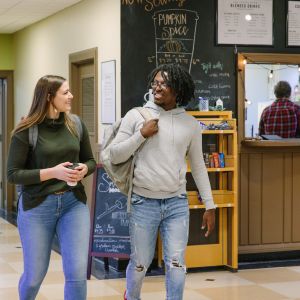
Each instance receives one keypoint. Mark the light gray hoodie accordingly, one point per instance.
(160, 167)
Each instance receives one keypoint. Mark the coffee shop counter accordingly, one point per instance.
(269, 194)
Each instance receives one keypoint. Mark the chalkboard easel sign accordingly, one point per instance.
(109, 235)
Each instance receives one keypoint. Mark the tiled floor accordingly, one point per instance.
(255, 284)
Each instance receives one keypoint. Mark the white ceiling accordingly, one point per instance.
(17, 14)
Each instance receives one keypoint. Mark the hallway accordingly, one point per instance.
(259, 284)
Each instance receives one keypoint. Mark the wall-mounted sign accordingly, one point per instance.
(293, 23)
(245, 22)
(108, 92)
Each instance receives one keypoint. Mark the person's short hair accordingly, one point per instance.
(179, 79)
(282, 89)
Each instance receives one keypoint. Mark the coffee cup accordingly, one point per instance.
(73, 166)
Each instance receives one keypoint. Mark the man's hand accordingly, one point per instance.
(149, 128)
(208, 221)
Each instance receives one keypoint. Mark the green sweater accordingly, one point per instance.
(55, 145)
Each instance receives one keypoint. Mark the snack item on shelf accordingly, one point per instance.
(215, 156)
(222, 160)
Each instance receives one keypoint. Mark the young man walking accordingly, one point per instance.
(159, 200)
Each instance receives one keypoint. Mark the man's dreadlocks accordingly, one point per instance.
(178, 79)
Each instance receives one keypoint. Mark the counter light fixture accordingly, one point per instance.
(271, 74)
(247, 102)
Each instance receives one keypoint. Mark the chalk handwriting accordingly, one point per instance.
(172, 19)
(151, 59)
(110, 229)
(106, 185)
(108, 209)
(175, 31)
(196, 61)
(206, 67)
(149, 5)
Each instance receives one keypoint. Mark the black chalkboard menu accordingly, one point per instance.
(184, 31)
(109, 220)
(157, 32)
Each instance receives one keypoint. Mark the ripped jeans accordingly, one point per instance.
(171, 217)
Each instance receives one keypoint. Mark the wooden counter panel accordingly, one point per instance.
(244, 205)
(272, 143)
(296, 198)
(272, 194)
(288, 197)
(255, 187)
(269, 199)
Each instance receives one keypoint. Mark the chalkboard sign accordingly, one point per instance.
(109, 220)
(157, 32)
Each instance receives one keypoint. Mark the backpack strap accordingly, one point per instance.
(77, 121)
(147, 116)
(34, 131)
(145, 113)
(33, 135)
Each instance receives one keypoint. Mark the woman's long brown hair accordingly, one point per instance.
(44, 92)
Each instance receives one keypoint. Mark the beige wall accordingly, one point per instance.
(44, 47)
(6, 52)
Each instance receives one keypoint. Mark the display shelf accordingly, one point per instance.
(221, 247)
(220, 197)
(225, 249)
(221, 115)
(225, 169)
(229, 131)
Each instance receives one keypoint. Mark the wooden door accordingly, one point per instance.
(7, 191)
(83, 83)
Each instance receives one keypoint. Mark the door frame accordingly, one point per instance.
(76, 60)
(7, 127)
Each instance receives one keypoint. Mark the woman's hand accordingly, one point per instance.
(83, 169)
(65, 173)
(60, 172)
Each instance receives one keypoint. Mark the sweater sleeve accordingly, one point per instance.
(128, 138)
(18, 153)
(86, 153)
(199, 170)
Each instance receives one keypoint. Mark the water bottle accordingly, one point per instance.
(219, 104)
(203, 104)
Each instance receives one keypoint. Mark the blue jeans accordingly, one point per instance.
(69, 219)
(171, 217)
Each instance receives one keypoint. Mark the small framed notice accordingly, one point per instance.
(293, 23)
(108, 92)
(245, 22)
